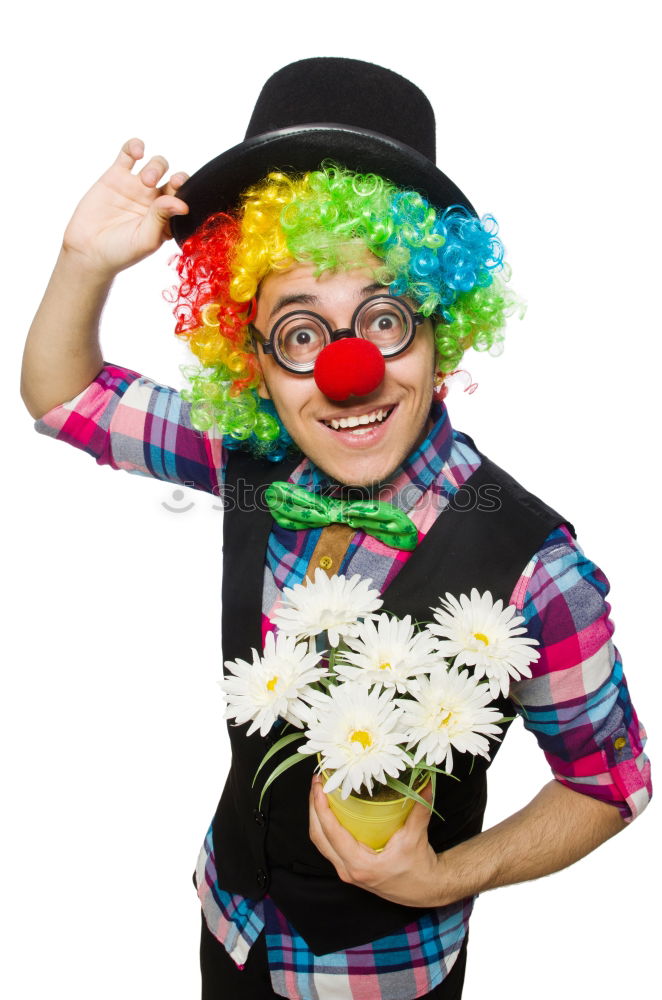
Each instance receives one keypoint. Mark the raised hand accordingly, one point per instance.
(125, 216)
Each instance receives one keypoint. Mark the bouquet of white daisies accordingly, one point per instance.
(376, 697)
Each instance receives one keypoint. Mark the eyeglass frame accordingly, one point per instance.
(340, 334)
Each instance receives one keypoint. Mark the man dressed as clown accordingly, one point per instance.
(331, 277)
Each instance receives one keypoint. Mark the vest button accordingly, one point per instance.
(262, 878)
(259, 817)
(326, 562)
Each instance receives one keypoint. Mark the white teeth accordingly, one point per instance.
(366, 418)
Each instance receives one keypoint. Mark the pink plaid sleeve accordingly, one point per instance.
(577, 703)
(129, 422)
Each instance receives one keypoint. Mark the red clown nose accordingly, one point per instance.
(349, 367)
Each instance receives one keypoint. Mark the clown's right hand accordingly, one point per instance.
(125, 216)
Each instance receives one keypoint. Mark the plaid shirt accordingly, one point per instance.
(577, 702)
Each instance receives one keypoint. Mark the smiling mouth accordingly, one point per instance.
(360, 424)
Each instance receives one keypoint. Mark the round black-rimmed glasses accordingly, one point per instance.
(298, 338)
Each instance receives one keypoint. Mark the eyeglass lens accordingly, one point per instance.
(300, 337)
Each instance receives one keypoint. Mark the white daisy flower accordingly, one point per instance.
(273, 684)
(450, 710)
(389, 652)
(479, 633)
(330, 604)
(358, 732)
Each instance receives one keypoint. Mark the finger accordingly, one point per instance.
(132, 150)
(344, 843)
(174, 183)
(153, 171)
(317, 834)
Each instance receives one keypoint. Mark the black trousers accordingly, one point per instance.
(222, 980)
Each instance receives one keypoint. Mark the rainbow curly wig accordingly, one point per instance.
(449, 262)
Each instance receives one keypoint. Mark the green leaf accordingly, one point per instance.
(517, 701)
(399, 786)
(437, 770)
(294, 759)
(413, 778)
(421, 623)
(282, 742)
(424, 768)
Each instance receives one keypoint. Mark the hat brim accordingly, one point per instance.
(217, 186)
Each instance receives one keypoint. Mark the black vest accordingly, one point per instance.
(483, 539)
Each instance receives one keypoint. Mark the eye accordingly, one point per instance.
(386, 322)
(384, 325)
(302, 337)
(300, 341)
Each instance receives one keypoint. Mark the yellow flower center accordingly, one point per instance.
(482, 638)
(444, 717)
(272, 683)
(384, 666)
(360, 736)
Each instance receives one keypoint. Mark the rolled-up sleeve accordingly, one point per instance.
(127, 421)
(577, 703)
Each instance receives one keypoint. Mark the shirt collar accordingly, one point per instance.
(410, 480)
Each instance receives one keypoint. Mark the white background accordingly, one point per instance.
(113, 745)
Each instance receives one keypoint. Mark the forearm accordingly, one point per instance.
(557, 828)
(62, 353)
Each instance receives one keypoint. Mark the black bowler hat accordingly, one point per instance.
(362, 116)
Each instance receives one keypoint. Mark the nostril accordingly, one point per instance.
(349, 367)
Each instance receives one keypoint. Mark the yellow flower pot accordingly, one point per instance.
(370, 821)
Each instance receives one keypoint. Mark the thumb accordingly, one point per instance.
(422, 811)
(416, 822)
(155, 227)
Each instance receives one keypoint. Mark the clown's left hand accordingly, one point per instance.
(406, 871)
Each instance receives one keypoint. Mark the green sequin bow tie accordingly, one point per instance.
(295, 508)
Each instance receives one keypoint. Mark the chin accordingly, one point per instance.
(352, 466)
(358, 472)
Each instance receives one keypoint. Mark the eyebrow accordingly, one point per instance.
(313, 300)
(290, 300)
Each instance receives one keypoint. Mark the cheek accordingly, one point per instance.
(289, 395)
(262, 390)
(415, 371)
(429, 349)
